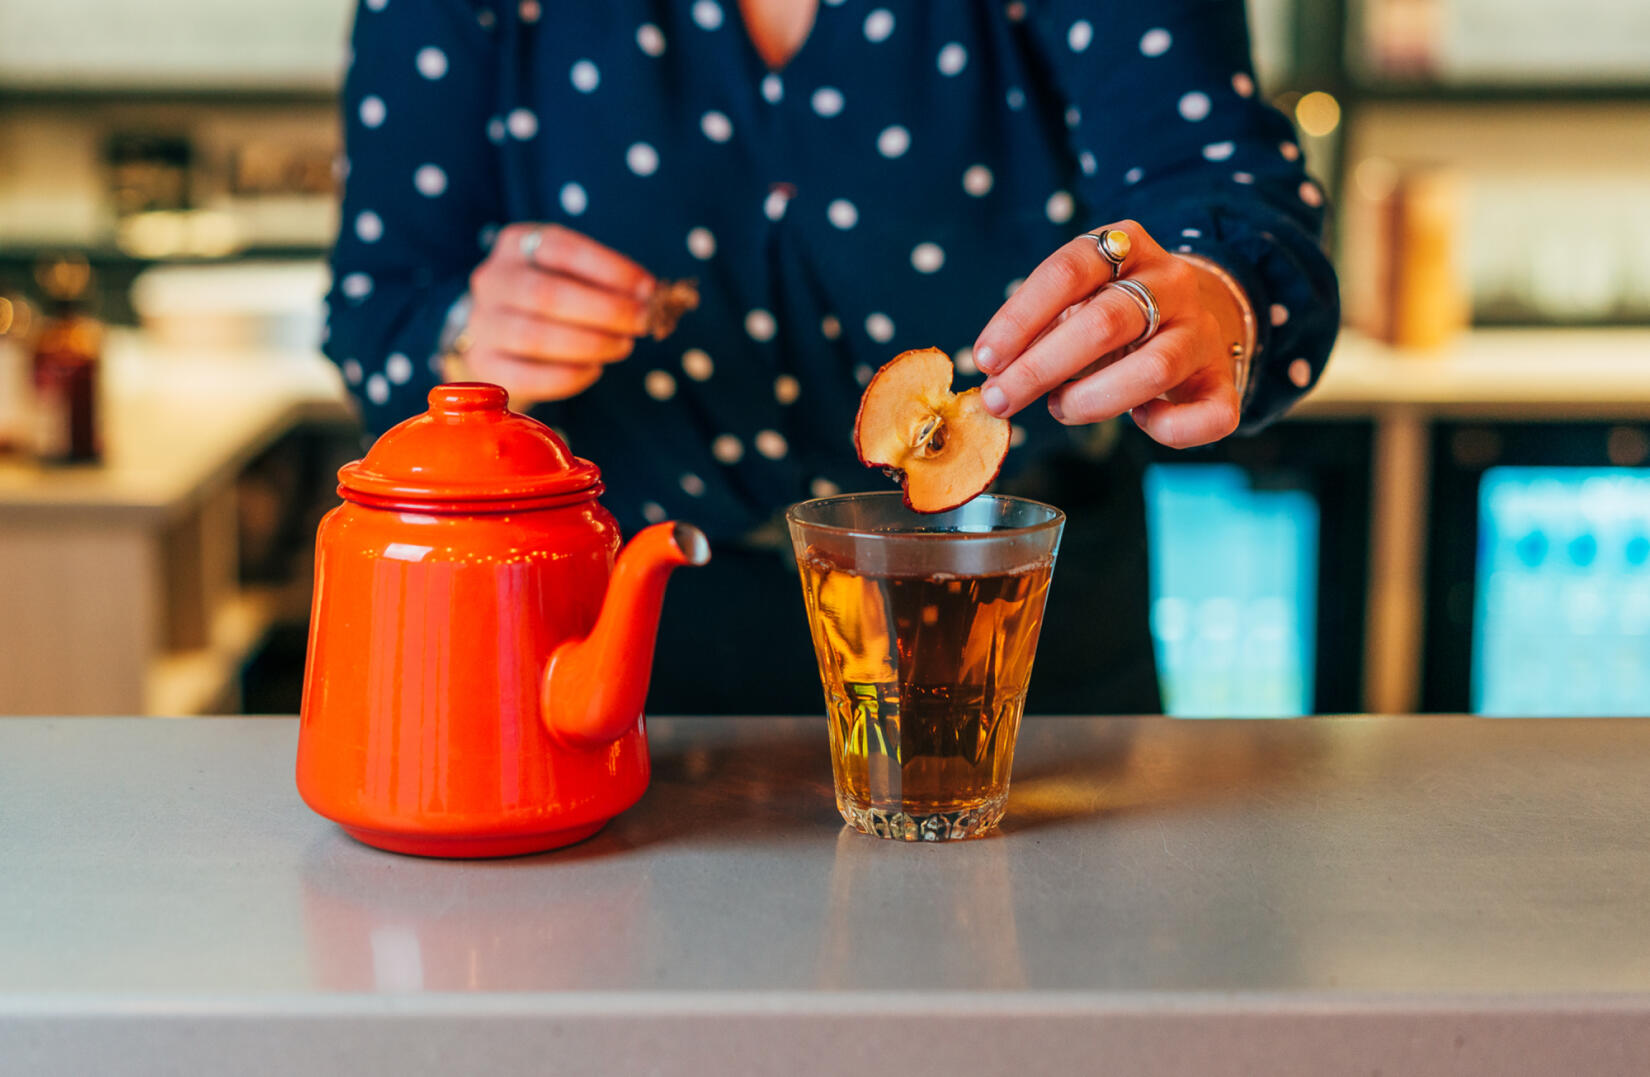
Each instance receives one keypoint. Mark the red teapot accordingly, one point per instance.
(479, 647)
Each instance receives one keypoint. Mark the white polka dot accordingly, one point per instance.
(377, 5)
(830, 326)
(495, 130)
(1300, 372)
(727, 449)
(573, 199)
(1060, 207)
(432, 62)
(1080, 35)
(771, 443)
(701, 243)
(952, 59)
(1310, 194)
(707, 14)
(863, 373)
(356, 286)
(522, 123)
(1184, 248)
(1243, 85)
(773, 89)
(1191, 233)
(1218, 151)
(1016, 435)
(842, 213)
(894, 141)
(1279, 314)
(1015, 11)
(530, 10)
(696, 364)
(880, 328)
(692, 485)
(786, 389)
(1133, 176)
(760, 325)
(716, 126)
(879, 24)
(1290, 151)
(378, 390)
(1243, 177)
(372, 110)
(824, 488)
(369, 226)
(352, 371)
(927, 257)
(1087, 163)
(642, 159)
(585, 76)
(1013, 286)
(977, 181)
(1073, 116)
(650, 39)
(1016, 98)
(1155, 42)
(659, 384)
(1194, 106)
(653, 512)
(398, 368)
(429, 180)
(963, 360)
(775, 204)
(827, 101)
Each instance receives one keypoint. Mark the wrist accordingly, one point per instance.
(1224, 298)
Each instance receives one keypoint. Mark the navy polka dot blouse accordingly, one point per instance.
(884, 190)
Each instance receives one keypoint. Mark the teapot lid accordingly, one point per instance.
(469, 446)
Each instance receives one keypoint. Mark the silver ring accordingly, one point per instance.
(1114, 245)
(531, 242)
(1146, 301)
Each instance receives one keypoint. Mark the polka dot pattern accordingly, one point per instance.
(867, 170)
(760, 325)
(893, 141)
(430, 180)
(701, 244)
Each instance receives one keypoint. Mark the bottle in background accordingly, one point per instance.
(16, 372)
(67, 361)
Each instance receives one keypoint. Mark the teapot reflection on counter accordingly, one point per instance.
(479, 647)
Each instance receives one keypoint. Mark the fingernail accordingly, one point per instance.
(994, 399)
(986, 359)
(1055, 410)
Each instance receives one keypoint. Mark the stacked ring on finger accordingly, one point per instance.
(1114, 245)
(1146, 301)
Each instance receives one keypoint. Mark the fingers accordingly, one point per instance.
(1193, 422)
(529, 380)
(527, 336)
(1069, 275)
(562, 250)
(1174, 396)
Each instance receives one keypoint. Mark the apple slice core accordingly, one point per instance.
(944, 447)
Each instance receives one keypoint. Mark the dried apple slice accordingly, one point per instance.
(944, 447)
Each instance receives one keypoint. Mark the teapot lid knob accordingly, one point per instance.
(460, 399)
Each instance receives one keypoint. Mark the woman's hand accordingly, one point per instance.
(1062, 335)
(548, 313)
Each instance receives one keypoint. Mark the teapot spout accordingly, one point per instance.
(594, 688)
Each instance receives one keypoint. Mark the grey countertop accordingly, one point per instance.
(1317, 896)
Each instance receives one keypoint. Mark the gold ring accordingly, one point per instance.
(1114, 245)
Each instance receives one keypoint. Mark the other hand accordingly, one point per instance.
(549, 313)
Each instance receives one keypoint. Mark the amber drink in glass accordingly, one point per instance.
(925, 627)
